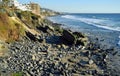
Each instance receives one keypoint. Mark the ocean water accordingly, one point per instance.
(104, 26)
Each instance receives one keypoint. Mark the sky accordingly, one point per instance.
(79, 6)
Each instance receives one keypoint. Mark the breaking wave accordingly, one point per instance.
(102, 23)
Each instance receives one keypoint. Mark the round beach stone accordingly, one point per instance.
(91, 61)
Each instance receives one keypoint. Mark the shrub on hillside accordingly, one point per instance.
(9, 29)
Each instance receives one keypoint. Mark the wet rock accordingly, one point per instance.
(75, 38)
(82, 41)
(114, 53)
(68, 37)
(78, 34)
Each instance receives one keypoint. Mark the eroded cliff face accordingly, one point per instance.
(35, 8)
(9, 29)
(14, 23)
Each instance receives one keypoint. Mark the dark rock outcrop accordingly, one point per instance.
(82, 41)
(68, 38)
(78, 34)
(33, 37)
(45, 29)
(74, 38)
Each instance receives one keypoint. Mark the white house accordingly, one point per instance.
(20, 6)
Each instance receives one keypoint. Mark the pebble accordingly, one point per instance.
(91, 61)
(33, 57)
(60, 55)
(38, 59)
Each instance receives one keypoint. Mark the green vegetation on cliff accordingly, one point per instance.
(9, 29)
(14, 22)
(27, 17)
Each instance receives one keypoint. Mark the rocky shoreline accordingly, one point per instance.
(57, 52)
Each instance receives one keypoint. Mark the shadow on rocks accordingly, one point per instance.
(54, 40)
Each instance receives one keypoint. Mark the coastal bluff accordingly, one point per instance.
(31, 45)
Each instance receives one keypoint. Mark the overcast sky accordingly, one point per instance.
(79, 6)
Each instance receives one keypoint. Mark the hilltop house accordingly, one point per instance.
(20, 6)
(33, 7)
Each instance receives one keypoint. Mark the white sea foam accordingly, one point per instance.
(88, 20)
(53, 20)
(69, 16)
(119, 43)
(102, 23)
(119, 37)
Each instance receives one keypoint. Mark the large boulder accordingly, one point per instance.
(78, 35)
(82, 41)
(68, 37)
(33, 37)
(80, 38)
(45, 29)
(75, 38)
